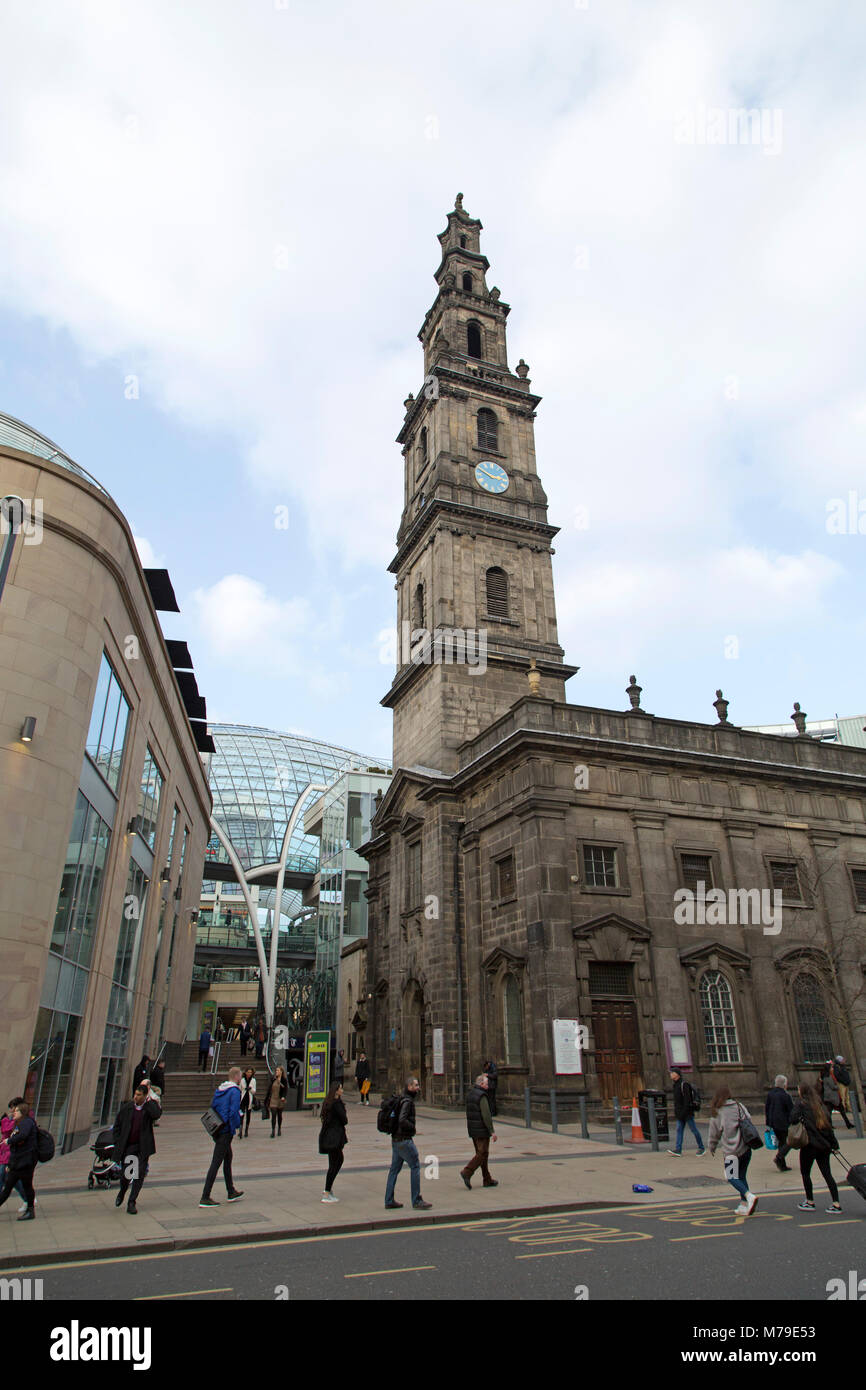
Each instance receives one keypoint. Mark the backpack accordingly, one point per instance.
(693, 1096)
(386, 1120)
(44, 1145)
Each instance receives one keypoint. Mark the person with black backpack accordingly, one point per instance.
(686, 1102)
(401, 1126)
(23, 1157)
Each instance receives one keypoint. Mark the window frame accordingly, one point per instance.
(705, 1048)
(623, 886)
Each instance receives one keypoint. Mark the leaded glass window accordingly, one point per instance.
(599, 866)
(717, 1018)
(812, 1019)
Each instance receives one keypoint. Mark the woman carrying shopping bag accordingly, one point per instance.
(728, 1121)
(333, 1137)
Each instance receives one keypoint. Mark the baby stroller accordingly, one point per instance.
(104, 1169)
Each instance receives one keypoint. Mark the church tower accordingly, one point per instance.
(475, 601)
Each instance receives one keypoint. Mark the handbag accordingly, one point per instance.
(365, 1087)
(797, 1136)
(212, 1121)
(770, 1139)
(751, 1137)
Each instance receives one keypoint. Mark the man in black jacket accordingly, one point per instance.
(403, 1150)
(362, 1074)
(23, 1158)
(777, 1113)
(134, 1144)
(479, 1122)
(684, 1111)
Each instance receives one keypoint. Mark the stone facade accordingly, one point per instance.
(528, 860)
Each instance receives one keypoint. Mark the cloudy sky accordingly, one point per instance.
(217, 245)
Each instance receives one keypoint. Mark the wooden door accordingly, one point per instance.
(617, 1049)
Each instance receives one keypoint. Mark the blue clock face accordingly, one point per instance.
(491, 476)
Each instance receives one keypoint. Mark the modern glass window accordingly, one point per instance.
(52, 1059)
(109, 718)
(512, 1022)
(10, 525)
(488, 430)
(812, 1020)
(81, 885)
(599, 867)
(152, 782)
(170, 853)
(115, 1043)
(717, 1018)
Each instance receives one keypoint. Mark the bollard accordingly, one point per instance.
(855, 1106)
(527, 1107)
(553, 1125)
(584, 1127)
(654, 1129)
(617, 1119)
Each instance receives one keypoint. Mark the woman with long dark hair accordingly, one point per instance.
(726, 1115)
(333, 1137)
(810, 1111)
(279, 1089)
(248, 1100)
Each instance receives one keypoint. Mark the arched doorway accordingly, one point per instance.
(413, 1033)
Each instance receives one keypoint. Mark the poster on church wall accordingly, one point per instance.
(438, 1051)
(568, 1058)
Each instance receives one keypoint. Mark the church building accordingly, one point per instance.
(664, 891)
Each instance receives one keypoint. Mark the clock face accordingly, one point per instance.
(491, 476)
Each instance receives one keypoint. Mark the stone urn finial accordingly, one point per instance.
(633, 692)
(522, 370)
(495, 293)
(720, 705)
(409, 401)
(534, 678)
(458, 203)
(799, 718)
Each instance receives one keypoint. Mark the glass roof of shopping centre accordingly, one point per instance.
(256, 776)
(17, 435)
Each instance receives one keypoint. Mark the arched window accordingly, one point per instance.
(463, 241)
(467, 282)
(812, 1019)
(497, 593)
(422, 448)
(488, 430)
(473, 340)
(418, 608)
(512, 1022)
(717, 1018)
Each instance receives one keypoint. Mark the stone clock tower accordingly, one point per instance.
(473, 564)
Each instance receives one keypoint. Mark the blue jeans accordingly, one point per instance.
(404, 1151)
(681, 1129)
(18, 1187)
(735, 1171)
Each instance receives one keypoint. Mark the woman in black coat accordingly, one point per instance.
(140, 1073)
(811, 1112)
(333, 1137)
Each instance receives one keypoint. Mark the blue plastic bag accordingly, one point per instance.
(770, 1139)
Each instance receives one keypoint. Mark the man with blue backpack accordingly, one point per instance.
(227, 1104)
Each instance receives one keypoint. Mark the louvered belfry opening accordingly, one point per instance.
(497, 593)
(488, 430)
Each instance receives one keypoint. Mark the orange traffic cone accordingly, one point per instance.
(636, 1130)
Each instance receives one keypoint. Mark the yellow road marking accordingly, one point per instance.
(152, 1297)
(717, 1235)
(368, 1273)
(546, 1254)
(849, 1221)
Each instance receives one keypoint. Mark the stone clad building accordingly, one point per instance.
(688, 892)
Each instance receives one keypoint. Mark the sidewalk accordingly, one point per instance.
(282, 1181)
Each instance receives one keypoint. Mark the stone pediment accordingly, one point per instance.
(714, 953)
(801, 955)
(410, 824)
(499, 957)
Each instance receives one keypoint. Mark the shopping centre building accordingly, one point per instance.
(104, 800)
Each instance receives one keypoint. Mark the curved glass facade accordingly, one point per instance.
(255, 777)
(19, 436)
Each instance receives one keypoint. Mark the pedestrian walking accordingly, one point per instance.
(492, 1073)
(685, 1106)
(726, 1115)
(227, 1103)
(332, 1136)
(479, 1123)
(245, 1034)
(812, 1113)
(261, 1038)
(339, 1068)
(134, 1144)
(21, 1164)
(403, 1150)
(843, 1081)
(277, 1093)
(829, 1094)
(362, 1074)
(777, 1114)
(141, 1072)
(248, 1101)
(7, 1124)
(204, 1047)
(157, 1083)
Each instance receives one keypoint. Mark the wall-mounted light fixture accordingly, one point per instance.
(134, 827)
(28, 729)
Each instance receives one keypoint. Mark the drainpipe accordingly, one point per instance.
(458, 947)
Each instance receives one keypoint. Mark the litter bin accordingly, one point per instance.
(661, 1105)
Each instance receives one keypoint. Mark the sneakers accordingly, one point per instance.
(833, 1210)
(805, 1206)
(29, 1214)
(675, 1153)
(329, 1197)
(466, 1181)
(235, 1196)
(751, 1201)
(23, 1206)
(742, 1209)
(422, 1206)
(393, 1206)
(208, 1202)
(700, 1153)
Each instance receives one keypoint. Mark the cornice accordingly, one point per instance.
(440, 507)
